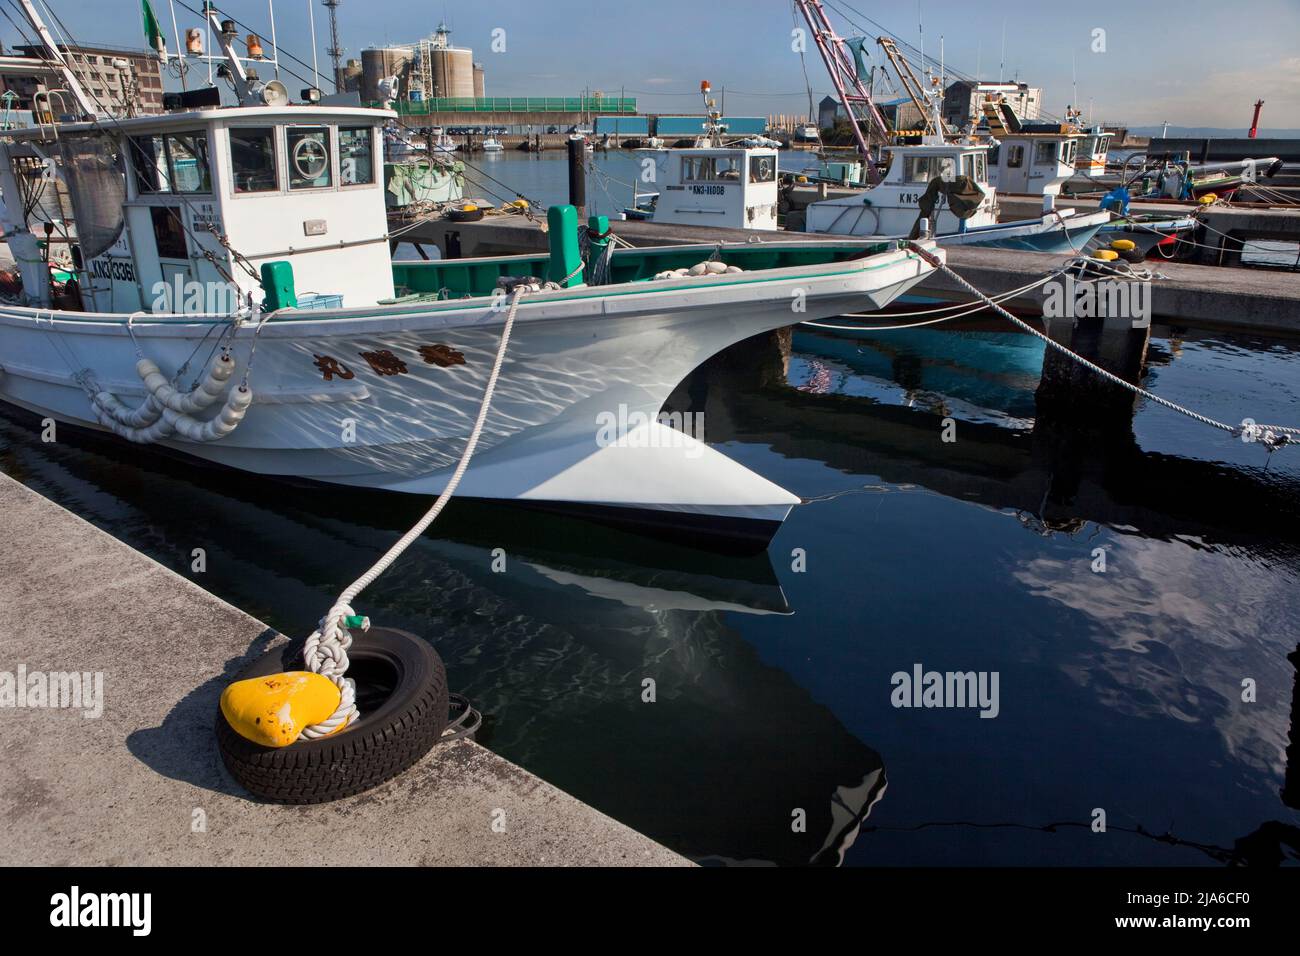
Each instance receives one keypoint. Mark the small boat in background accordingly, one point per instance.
(492, 145)
(806, 135)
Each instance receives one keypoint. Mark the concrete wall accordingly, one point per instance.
(1209, 149)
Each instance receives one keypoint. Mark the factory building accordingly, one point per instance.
(126, 82)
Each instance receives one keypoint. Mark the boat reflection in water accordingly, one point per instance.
(552, 626)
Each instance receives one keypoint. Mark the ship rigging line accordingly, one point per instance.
(1271, 436)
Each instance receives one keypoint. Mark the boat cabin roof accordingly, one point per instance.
(723, 150)
(188, 119)
(936, 149)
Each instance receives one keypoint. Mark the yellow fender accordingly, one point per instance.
(1106, 255)
(1123, 245)
(272, 711)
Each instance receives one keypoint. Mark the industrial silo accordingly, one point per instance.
(449, 69)
(350, 76)
(379, 63)
(478, 80)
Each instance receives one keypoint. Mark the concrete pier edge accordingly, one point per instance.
(142, 784)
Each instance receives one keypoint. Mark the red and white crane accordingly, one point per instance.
(852, 92)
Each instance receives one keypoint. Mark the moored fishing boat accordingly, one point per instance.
(183, 327)
(947, 184)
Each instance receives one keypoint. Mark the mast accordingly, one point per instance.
(335, 50)
(848, 83)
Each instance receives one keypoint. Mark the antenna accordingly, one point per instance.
(1003, 62)
(335, 50)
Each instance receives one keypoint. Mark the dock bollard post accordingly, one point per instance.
(578, 177)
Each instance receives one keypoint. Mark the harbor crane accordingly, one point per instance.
(846, 76)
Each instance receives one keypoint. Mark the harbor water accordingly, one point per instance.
(1124, 598)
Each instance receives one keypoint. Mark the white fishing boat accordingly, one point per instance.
(730, 185)
(806, 135)
(193, 231)
(918, 185)
(492, 145)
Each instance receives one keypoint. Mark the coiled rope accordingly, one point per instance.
(1271, 436)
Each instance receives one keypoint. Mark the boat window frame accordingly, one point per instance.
(754, 162)
(331, 151)
(1015, 155)
(277, 145)
(204, 133)
(376, 168)
(688, 161)
(1051, 160)
(165, 177)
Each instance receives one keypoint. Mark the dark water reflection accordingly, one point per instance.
(1119, 690)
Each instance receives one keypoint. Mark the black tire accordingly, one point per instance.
(402, 695)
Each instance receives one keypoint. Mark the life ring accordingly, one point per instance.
(404, 703)
(310, 158)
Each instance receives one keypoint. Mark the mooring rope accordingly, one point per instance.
(1271, 436)
(326, 650)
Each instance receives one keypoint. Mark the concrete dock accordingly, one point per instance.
(1191, 296)
(143, 784)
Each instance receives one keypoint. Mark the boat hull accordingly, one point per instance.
(386, 398)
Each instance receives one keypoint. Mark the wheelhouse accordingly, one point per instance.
(150, 209)
(735, 188)
(1034, 163)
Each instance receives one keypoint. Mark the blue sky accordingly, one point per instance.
(1194, 63)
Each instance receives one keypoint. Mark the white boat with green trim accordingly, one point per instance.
(326, 360)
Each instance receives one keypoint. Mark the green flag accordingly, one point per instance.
(152, 32)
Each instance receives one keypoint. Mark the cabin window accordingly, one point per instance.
(919, 169)
(150, 164)
(168, 233)
(252, 160)
(176, 163)
(1103, 144)
(187, 162)
(1044, 154)
(762, 169)
(981, 169)
(309, 157)
(1015, 157)
(356, 156)
(697, 167)
(1070, 149)
(728, 168)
